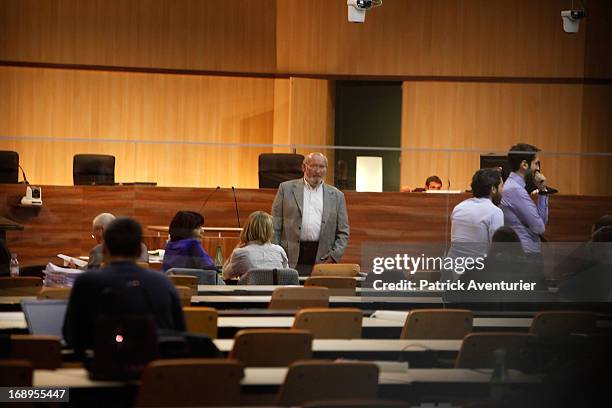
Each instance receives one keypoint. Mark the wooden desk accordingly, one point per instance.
(374, 217)
(372, 303)
(373, 327)
(266, 290)
(263, 383)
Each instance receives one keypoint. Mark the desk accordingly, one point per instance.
(418, 353)
(265, 290)
(372, 325)
(372, 328)
(370, 302)
(398, 217)
(412, 384)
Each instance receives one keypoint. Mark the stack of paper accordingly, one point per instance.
(56, 276)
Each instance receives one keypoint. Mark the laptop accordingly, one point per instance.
(45, 316)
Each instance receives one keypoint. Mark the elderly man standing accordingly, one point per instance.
(310, 218)
(96, 256)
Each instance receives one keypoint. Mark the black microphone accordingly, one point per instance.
(549, 191)
(207, 198)
(236, 205)
(24, 176)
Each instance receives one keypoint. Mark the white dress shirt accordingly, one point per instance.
(312, 212)
(474, 221)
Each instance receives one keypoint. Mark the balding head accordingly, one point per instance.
(99, 224)
(314, 168)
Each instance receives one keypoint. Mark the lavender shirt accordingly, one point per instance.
(520, 213)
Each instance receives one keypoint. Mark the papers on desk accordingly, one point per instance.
(67, 259)
(57, 277)
(393, 315)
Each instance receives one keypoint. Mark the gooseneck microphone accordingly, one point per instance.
(207, 198)
(236, 206)
(25, 179)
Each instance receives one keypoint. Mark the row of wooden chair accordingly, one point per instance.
(282, 346)
(431, 324)
(217, 382)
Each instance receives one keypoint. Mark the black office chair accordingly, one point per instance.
(274, 168)
(9, 167)
(98, 169)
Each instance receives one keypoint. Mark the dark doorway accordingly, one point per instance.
(368, 113)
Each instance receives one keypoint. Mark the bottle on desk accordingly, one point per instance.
(219, 258)
(499, 377)
(14, 265)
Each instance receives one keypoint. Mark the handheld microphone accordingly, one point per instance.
(208, 197)
(236, 206)
(25, 179)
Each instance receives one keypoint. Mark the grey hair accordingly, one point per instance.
(102, 220)
(309, 156)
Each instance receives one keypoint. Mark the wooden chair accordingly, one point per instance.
(337, 285)
(15, 373)
(478, 349)
(337, 323)
(202, 320)
(560, 323)
(186, 280)
(54, 293)
(331, 269)
(437, 324)
(42, 351)
(271, 347)
(185, 294)
(299, 297)
(325, 380)
(190, 382)
(20, 286)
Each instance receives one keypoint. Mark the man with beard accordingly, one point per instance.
(475, 220)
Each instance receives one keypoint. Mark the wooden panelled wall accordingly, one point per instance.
(524, 82)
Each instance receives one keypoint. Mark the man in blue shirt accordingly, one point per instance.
(527, 218)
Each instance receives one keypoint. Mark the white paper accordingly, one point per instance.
(78, 262)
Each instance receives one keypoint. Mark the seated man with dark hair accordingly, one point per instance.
(133, 290)
(433, 183)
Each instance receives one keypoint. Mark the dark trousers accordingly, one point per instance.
(307, 258)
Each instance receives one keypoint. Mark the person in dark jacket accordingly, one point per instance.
(184, 250)
(121, 287)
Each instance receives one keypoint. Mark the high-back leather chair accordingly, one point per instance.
(274, 168)
(88, 169)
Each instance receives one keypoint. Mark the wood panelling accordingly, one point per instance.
(311, 117)
(159, 124)
(64, 222)
(598, 42)
(229, 35)
(596, 137)
(491, 117)
(520, 38)
(282, 101)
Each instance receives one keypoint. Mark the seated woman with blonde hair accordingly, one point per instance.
(255, 249)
